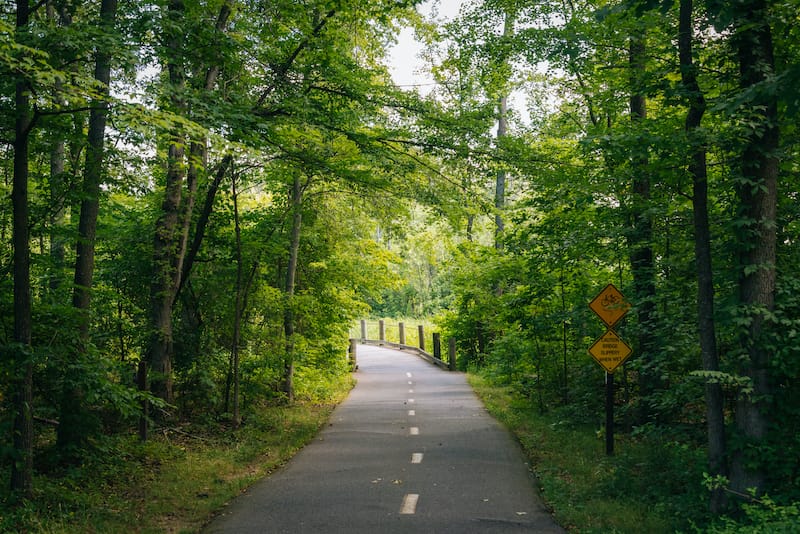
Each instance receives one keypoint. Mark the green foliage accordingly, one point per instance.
(174, 481)
(761, 516)
(652, 482)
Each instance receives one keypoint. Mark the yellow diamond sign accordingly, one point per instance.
(610, 351)
(610, 305)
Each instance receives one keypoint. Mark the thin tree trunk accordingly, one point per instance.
(502, 129)
(291, 271)
(202, 222)
(715, 419)
(73, 414)
(237, 315)
(57, 168)
(22, 466)
(565, 393)
(757, 193)
(57, 242)
(500, 182)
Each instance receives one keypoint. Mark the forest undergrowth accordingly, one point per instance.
(175, 482)
(653, 483)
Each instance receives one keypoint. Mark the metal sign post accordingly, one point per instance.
(609, 414)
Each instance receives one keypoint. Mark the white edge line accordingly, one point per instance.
(409, 505)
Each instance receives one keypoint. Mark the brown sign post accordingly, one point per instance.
(609, 350)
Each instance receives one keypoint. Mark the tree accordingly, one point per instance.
(698, 170)
(22, 468)
(73, 415)
(502, 129)
(756, 191)
(296, 206)
(172, 226)
(640, 234)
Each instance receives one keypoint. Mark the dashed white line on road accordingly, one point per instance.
(408, 375)
(411, 401)
(411, 391)
(409, 505)
(416, 458)
(410, 382)
(412, 412)
(414, 431)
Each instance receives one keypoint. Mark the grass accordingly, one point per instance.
(175, 482)
(651, 484)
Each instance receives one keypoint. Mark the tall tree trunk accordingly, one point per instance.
(500, 181)
(57, 167)
(757, 194)
(57, 242)
(640, 235)
(22, 466)
(502, 129)
(167, 241)
(715, 419)
(172, 228)
(73, 419)
(291, 272)
(237, 312)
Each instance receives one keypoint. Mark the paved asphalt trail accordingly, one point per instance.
(411, 450)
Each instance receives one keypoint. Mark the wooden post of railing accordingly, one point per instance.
(421, 337)
(353, 360)
(437, 345)
(451, 353)
(381, 330)
(363, 330)
(402, 333)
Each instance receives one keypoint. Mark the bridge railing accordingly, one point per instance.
(378, 337)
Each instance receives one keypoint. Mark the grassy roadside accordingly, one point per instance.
(173, 483)
(649, 485)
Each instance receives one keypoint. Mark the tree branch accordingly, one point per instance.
(283, 68)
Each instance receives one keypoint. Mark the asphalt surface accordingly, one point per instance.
(411, 450)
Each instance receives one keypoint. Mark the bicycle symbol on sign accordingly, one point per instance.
(610, 300)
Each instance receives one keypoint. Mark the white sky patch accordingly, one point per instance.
(407, 69)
